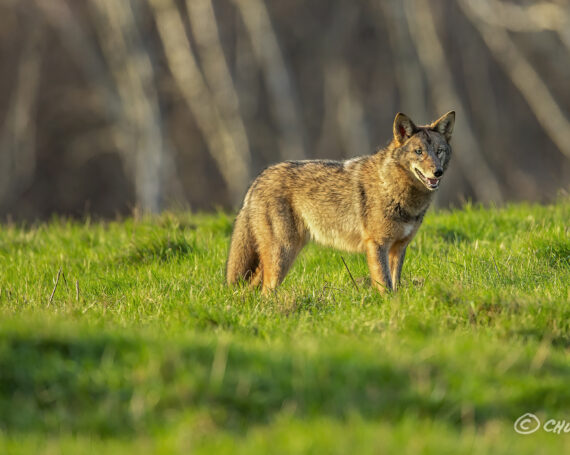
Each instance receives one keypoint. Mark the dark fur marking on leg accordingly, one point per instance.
(285, 210)
(283, 259)
(383, 260)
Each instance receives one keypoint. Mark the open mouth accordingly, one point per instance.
(430, 183)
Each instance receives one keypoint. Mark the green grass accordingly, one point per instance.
(143, 349)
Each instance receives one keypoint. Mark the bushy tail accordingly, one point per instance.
(243, 259)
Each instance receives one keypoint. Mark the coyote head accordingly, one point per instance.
(424, 151)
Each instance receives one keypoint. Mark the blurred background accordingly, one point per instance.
(107, 106)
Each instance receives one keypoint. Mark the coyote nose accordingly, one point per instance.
(438, 173)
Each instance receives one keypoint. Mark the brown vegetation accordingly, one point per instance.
(110, 105)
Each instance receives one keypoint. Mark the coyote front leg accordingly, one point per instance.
(396, 259)
(377, 256)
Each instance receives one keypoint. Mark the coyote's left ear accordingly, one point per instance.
(444, 125)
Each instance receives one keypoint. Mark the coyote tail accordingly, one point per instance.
(243, 259)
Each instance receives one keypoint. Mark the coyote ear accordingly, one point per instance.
(404, 128)
(444, 125)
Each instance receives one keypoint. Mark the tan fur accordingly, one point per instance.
(373, 204)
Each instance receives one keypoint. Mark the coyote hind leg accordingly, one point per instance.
(280, 236)
(276, 263)
(256, 276)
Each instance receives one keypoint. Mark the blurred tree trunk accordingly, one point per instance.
(186, 72)
(432, 56)
(217, 74)
(283, 98)
(133, 73)
(409, 75)
(115, 103)
(523, 75)
(18, 134)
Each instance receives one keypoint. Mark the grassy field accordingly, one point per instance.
(141, 348)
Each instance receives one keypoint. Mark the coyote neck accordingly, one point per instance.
(400, 191)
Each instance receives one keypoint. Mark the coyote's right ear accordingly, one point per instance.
(404, 128)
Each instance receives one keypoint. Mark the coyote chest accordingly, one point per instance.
(407, 230)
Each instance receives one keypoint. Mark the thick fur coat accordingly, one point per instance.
(373, 204)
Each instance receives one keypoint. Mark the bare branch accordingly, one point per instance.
(432, 57)
(407, 69)
(17, 137)
(534, 17)
(217, 73)
(184, 68)
(284, 100)
(525, 78)
(85, 51)
(349, 112)
(343, 107)
(81, 47)
(133, 73)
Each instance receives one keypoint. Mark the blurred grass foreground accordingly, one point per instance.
(122, 337)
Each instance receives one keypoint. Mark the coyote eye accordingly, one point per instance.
(440, 151)
(418, 151)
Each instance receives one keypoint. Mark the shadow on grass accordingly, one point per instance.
(538, 335)
(557, 254)
(158, 249)
(113, 386)
(453, 235)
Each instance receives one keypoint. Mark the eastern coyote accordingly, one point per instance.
(373, 204)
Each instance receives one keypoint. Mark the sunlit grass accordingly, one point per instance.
(142, 347)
